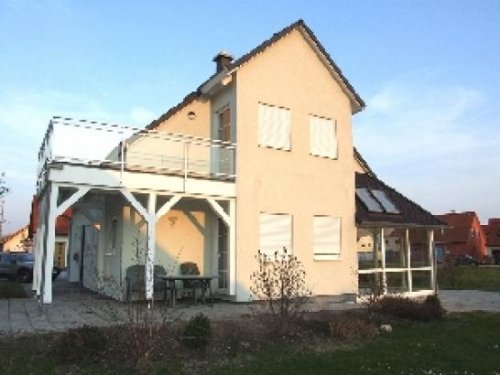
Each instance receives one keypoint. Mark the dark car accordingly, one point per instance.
(19, 266)
(465, 260)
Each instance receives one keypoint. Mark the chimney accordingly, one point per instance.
(222, 60)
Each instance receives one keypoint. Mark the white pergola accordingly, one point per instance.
(380, 265)
(58, 173)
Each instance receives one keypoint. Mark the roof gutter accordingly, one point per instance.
(384, 224)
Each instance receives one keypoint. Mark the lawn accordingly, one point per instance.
(469, 277)
(459, 344)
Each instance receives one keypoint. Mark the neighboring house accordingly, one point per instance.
(17, 241)
(260, 156)
(62, 227)
(463, 235)
(492, 234)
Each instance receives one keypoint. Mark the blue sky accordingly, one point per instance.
(428, 70)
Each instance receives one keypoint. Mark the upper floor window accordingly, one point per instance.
(274, 127)
(224, 125)
(323, 137)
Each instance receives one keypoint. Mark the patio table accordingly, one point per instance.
(204, 281)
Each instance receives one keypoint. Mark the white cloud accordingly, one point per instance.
(434, 144)
(141, 116)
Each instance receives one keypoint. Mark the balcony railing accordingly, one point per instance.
(126, 148)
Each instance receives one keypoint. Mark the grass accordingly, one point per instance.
(11, 289)
(462, 343)
(469, 277)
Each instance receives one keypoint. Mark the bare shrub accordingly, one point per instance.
(406, 308)
(352, 327)
(78, 344)
(197, 332)
(280, 283)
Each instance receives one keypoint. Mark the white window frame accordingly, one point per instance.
(270, 249)
(333, 249)
(268, 130)
(320, 129)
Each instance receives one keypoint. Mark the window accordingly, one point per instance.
(323, 137)
(376, 201)
(274, 127)
(224, 126)
(387, 204)
(275, 233)
(368, 200)
(326, 237)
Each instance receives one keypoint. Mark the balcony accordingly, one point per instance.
(127, 149)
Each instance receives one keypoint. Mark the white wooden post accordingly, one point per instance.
(408, 259)
(37, 252)
(232, 247)
(50, 244)
(430, 243)
(382, 255)
(150, 254)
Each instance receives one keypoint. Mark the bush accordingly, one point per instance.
(11, 289)
(79, 344)
(280, 283)
(406, 308)
(198, 332)
(352, 327)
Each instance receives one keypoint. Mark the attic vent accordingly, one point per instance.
(222, 60)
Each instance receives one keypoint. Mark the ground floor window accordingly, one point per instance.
(326, 237)
(275, 233)
(395, 260)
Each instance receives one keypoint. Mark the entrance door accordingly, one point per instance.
(223, 258)
(89, 270)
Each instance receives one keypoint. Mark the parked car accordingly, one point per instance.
(19, 266)
(465, 260)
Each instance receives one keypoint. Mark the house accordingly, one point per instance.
(463, 235)
(62, 227)
(259, 157)
(16, 241)
(395, 238)
(492, 234)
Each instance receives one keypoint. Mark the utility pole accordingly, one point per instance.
(1, 217)
(3, 191)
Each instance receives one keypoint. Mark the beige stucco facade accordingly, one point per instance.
(291, 75)
(292, 72)
(277, 181)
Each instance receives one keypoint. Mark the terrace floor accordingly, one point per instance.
(74, 307)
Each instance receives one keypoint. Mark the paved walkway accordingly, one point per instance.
(73, 307)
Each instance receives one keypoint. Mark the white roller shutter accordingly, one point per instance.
(274, 127)
(326, 237)
(275, 233)
(323, 137)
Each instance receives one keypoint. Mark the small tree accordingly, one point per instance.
(3, 186)
(280, 282)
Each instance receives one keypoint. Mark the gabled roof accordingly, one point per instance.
(411, 214)
(9, 236)
(307, 32)
(364, 164)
